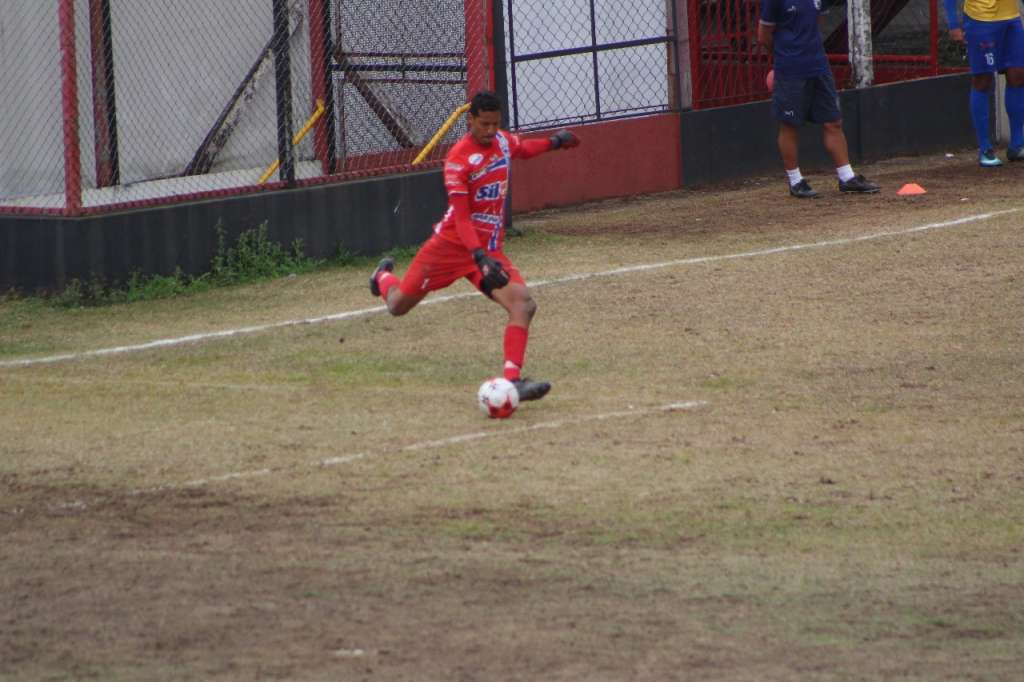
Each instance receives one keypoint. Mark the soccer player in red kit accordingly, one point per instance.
(468, 240)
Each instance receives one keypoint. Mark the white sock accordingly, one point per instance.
(794, 176)
(845, 173)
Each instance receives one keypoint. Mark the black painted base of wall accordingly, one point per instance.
(361, 217)
(370, 216)
(900, 119)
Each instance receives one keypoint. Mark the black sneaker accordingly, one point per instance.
(385, 265)
(1013, 154)
(858, 184)
(802, 190)
(531, 390)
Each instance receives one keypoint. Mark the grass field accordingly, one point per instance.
(785, 442)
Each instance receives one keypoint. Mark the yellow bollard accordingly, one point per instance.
(440, 133)
(297, 139)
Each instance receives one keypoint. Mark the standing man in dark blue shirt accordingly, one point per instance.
(804, 91)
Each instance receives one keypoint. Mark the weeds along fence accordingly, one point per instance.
(112, 104)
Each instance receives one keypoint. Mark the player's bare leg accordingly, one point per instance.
(399, 302)
(981, 84)
(834, 139)
(384, 283)
(517, 301)
(789, 148)
(789, 145)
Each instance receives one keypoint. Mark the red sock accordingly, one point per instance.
(515, 350)
(386, 280)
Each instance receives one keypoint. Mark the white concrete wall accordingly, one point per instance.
(176, 65)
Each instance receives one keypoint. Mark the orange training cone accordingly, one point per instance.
(911, 189)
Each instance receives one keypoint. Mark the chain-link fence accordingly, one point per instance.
(580, 61)
(31, 115)
(114, 103)
(908, 37)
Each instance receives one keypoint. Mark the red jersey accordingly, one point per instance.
(482, 174)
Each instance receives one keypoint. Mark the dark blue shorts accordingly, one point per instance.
(994, 45)
(811, 100)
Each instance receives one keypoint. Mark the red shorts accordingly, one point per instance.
(440, 262)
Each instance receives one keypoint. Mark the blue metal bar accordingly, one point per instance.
(640, 42)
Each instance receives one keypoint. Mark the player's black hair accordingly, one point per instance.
(485, 100)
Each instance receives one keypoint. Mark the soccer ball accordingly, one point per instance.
(498, 398)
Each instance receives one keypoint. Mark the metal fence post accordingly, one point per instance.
(501, 89)
(283, 79)
(500, 65)
(69, 96)
(594, 60)
(104, 100)
(321, 49)
(858, 13)
(680, 78)
(693, 34)
(1000, 119)
(514, 105)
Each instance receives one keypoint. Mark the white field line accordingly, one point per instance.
(169, 385)
(430, 445)
(205, 336)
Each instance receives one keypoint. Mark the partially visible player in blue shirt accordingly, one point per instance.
(995, 42)
(804, 91)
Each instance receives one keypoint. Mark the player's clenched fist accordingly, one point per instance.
(564, 139)
(494, 276)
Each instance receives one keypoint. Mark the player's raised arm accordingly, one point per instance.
(527, 149)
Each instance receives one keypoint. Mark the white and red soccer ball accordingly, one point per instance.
(498, 398)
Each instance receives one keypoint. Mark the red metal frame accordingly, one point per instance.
(319, 63)
(378, 165)
(101, 84)
(479, 48)
(69, 97)
(693, 32)
(726, 69)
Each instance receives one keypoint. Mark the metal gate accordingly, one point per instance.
(581, 61)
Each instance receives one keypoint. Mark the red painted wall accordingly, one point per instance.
(614, 159)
